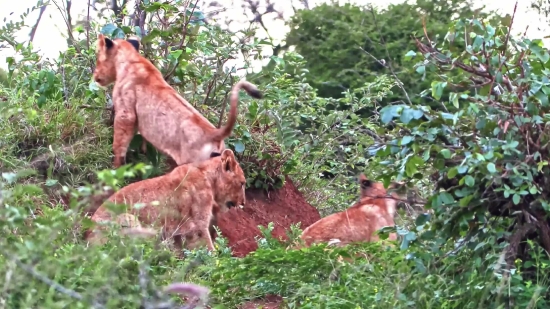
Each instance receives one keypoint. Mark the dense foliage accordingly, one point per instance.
(348, 45)
(478, 154)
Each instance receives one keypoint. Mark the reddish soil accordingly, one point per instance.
(283, 207)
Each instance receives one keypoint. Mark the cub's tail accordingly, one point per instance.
(252, 91)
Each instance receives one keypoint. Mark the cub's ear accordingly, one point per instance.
(104, 42)
(134, 40)
(228, 160)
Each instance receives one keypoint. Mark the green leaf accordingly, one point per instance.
(452, 173)
(406, 140)
(278, 60)
(469, 181)
(491, 168)
(465, 200)
(446, 198)
(407, 115)
(421, 69)
(453, 97)
(541, 53)
(411, 167)
(516, 198)
(478, 41)
(437, 89)
(137, 30)
(490, 31)
(108, 29)
(446, 153)
(387, 113)
(118, 34)
(239, 147)
(410, 54)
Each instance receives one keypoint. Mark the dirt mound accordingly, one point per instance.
(283, 207)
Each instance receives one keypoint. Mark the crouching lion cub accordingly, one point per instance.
(144, 100)
(373, 211)
(182, 202)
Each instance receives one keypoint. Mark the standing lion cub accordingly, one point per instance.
(183, 202)
(144, 100)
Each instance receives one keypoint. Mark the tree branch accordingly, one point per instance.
(35, 27)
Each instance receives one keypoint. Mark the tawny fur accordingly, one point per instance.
(188, 198)
(143, 100)
(358, 223)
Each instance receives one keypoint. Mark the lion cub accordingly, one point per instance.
(144, 100)
(374, 210)
(183, 202)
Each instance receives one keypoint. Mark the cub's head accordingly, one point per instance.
(230, 183)
(108, 53)
(370, 188)
(375, 190)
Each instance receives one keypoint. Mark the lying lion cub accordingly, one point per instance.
(182, 201)
(143, 99)
(374, 210)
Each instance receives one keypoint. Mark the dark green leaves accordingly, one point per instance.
(108, 29)
(412, 165)
(539, 51)
(446, 198)
(422, 219)
(452, 173)
(446, 153)
(113, 31)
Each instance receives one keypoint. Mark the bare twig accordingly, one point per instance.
(66, 14)
(35, 27)
(505, 45)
